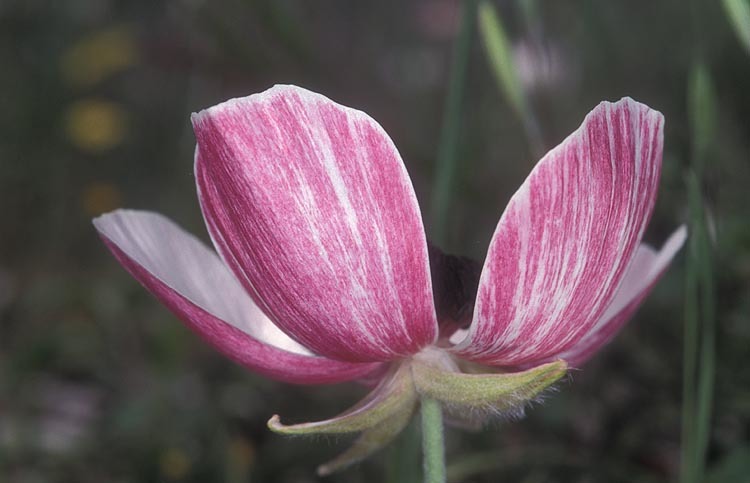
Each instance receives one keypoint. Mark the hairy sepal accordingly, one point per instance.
(379, 417)
(475, 397)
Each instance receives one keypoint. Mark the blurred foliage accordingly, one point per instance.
(739, 13)
(99, 383)
(503, 63)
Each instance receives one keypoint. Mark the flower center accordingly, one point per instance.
(437, 358)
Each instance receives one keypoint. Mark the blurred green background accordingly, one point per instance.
(100, 383)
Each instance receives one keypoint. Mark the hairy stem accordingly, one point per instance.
(433, 448)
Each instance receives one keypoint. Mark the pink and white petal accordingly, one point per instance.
(566, 238)
(311, 206)
(647, 268)
(193, 283)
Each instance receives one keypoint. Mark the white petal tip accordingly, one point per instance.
(278, 90)
(679, 236)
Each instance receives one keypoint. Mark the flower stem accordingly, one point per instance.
(433, 448)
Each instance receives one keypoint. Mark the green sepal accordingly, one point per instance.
(380, 417)
(477, 392)
(370, 441)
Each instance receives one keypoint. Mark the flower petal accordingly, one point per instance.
(646, 269)
(311, 206)
(380, 417)
(192, 282)
(567, 237)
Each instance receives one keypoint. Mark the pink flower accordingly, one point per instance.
(323, 273)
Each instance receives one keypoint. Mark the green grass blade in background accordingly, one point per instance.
(702, 115)
(690, 356)
(447, 156)
(699, 343)
(700, 304)
(738, 12)
(707, 368)
(500, 57)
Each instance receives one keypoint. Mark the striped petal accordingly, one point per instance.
(647, 268)
(567, 237)
(311, 206)
(193, 283)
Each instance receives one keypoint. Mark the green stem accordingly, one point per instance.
(433, 447)
(449, 134)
